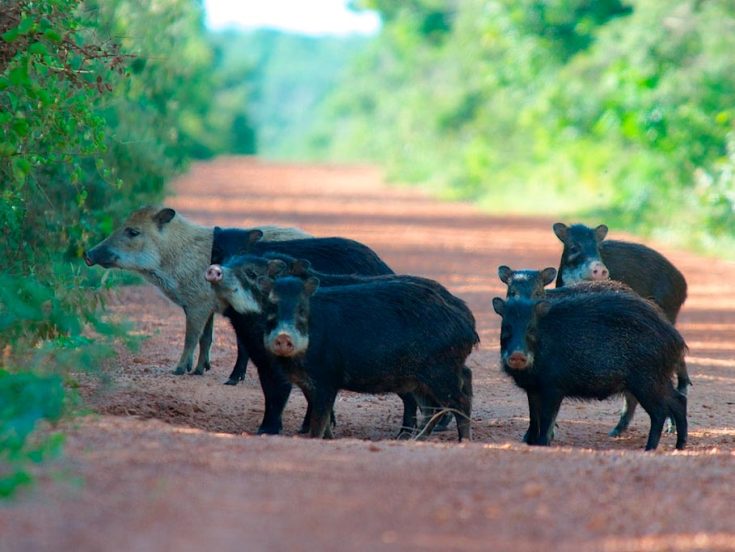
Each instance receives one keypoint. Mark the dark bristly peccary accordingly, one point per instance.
(329, 254)
(236, 284)
(353, 257)
(302, 269)
(385, 336)
(530, 284)
(242, 305)
(587, 255)
(592, 346)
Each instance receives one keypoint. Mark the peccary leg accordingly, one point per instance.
(682, 376)
(657, 410)
(464, 405)
(276, 390)
(682, 386)
(205, 344)
(534, 413)
(549, 408)
(241, 364)
(408, 425)
(322, 404)
(678, 411)
(305, 424)
(445, 388)
(626, 415)
(195, 323)
(429, 409)
(466, 386)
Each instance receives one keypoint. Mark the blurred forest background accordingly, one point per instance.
(599, 110)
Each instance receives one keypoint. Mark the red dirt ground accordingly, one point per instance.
(171, 463)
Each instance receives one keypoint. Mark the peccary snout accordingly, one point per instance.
(214, 273)
(87, 259)
(517, 360)
(283, 345)
(598, 271)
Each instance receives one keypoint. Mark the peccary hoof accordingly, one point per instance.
(180, 371)
(618, 430)
(232, 381)
(269, 430)
(405, 434)
(199, 371)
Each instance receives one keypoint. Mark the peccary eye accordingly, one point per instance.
(250, 273)
(132, 232)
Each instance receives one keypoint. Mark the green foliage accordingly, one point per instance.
(99, 105)
(25, 400)
(622, 110)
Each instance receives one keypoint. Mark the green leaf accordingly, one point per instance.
(52, 35)
(10, 35)
(19, 75)
(21, 168)
(26, 25)
(38, 48)
(20, 126)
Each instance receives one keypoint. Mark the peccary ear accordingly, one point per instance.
(547, 275)
(254, 235)
(561, 230)
(264, 284)
(542, 308)
(164, 216)
(498, 305)
(310, 286)
(300, 267)
(276, 267)
(601, 232)
(505, 273)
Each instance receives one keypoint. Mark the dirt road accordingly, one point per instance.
(171, 463)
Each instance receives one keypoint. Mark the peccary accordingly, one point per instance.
(302, 269)
(172, 253)
(529, 284)
(592, 346)
(238, 278)
(385, 336)
(587, 255)
(328, 254)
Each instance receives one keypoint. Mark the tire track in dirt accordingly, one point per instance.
(200, 479)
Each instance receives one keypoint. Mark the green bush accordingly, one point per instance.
(100, 104)
(26, 400)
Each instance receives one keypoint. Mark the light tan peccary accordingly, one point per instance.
(173, 253)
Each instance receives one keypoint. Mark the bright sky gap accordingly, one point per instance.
(312, 17)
